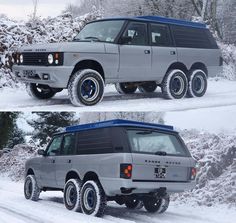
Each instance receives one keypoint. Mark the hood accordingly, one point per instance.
(67, 47)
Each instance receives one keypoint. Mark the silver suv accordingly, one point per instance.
(132, 163)
(132, 53)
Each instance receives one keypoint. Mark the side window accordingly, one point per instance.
(160, 35)
(68, 145)
(54, 147)
(137, 33)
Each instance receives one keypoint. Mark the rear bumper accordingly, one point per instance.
(113, 186)
(214, 71)
(58, 76)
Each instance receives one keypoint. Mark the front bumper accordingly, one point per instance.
(113, 186)
(58, 76)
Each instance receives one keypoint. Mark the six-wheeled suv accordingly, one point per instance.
(139, 52)
(132, 163)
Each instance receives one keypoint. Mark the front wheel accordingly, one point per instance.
(155, 204)
(86, 88)
(175, 85)
(39, 91)
(31, 189)
(126, 88)
(197, 83)
(93, 199)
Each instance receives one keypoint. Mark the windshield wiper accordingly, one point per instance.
(160, 153)
(92, 38)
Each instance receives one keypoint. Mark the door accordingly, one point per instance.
(48, 163)
(159, 157)
(135, 54)
(64, 161)
(163, 51)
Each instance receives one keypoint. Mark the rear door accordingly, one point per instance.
(64, 161)
(158, 157)
(48, 163)
(135, 56)
(163, 51)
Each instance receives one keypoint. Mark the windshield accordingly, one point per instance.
(104, 31)
(152, 142)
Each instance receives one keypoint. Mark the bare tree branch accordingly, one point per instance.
(196, 7)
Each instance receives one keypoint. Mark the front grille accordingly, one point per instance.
(35, 59)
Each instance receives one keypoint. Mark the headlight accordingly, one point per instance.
(50, 59)
(21, 58)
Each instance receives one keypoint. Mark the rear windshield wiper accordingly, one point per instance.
(160, 153)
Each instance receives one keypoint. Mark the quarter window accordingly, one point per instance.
(137, 33)
(68, 145)
(160, 35)
(54, 147)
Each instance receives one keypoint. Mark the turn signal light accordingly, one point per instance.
(126, 171)
(193, 173)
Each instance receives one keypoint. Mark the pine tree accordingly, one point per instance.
(49, 123)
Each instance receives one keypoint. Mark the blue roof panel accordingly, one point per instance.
(118, 122)
(173, 21)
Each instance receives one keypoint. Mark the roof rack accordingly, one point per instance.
(173, 21)
(118, 122)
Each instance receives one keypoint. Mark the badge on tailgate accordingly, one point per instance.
(160, 172)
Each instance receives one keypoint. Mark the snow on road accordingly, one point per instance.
(14, 208)
(220, 93)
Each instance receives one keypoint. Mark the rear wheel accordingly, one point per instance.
(126, 88)
(72, 195)
(148, 87)
(93, 199)
(197, 83)
(31, 189)
(134, 204)
(175, 85)
(39, 91)
(155, 204)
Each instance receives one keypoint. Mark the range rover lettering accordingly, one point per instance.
(133, 53)
(131, 163)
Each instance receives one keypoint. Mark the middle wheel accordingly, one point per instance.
(126, 88)
(93, 199)
(175, 85)
(148, 87)
(134, 204)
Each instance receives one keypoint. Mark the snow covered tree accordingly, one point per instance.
(49, 123)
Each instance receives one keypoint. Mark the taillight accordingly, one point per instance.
(126, 171)
(193, 173)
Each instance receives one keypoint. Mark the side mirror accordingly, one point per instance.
(41, 152)
(125, 39)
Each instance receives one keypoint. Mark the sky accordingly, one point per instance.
(21, 9)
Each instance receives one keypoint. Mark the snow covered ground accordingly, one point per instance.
(221, 93)
(14, 208)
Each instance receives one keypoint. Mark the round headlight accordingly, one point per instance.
(21, 58)
(50, 59)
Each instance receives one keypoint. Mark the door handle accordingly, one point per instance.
(147, 51)
(53, 161)
(69, 161)
(172, 53)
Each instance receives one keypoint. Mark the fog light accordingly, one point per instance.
(46, 76)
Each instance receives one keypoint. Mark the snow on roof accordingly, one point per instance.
(119, 122)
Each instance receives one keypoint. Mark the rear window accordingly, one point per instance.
(193, 38)
(152, 142)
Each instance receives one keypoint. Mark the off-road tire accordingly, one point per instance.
(148, 87)
(77, 84)
(72, 188)
(98, 205)
(31, 189)
(157, 205)
(134, 204)
(197, 83)
(41, 92)
(126, 88)
(171, 82)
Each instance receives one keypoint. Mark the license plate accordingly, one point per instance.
(160, 172)
(29, 73)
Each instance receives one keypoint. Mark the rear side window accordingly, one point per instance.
(152, 142)
(94, 142)
(160, 35)
(193, 38)
(138, 33)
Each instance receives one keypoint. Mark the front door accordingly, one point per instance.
(135, 54)
(48, 163)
